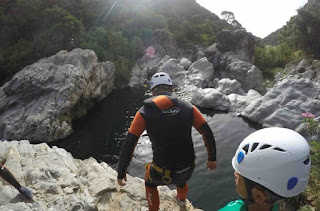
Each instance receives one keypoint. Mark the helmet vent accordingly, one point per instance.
(307, 161)
(265, 146)
(246, 148)
(254, 146)
(279, 149)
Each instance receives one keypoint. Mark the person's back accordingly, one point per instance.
(270, 165)
(169, 122)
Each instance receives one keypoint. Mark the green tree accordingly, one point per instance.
(59, 30)
(308, 23)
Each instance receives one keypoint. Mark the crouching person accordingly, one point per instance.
(270, 164)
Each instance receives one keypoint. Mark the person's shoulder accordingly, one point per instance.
(237, 205)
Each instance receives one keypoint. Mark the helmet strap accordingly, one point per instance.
(248, 185)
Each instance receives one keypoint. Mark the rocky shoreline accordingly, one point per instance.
(60, 182)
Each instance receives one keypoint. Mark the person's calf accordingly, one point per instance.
(152, 196)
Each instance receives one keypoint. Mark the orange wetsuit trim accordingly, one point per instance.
(163, 102)
(198, 119)
(138, 125)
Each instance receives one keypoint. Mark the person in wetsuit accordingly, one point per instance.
(168, 121)
(7, 176)
(270, 165)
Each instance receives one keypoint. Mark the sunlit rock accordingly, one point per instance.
(211, 98)
(60, 182)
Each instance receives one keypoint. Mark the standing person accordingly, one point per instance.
(168, 121)
(7, 176)
(270, 165)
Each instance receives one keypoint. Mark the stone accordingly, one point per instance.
(37, 103)
(83, 185)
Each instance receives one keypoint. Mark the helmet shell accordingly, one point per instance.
(160, 78)
(277, 158)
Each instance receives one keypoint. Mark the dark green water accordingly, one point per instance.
(102, 131)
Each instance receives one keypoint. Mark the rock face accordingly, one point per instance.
(60, 182)
(39, 101)
(239, 42)
(283, 105)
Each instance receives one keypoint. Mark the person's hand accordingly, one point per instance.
(122, 182)
(212, 165)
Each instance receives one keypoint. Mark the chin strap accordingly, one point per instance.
(248, 185)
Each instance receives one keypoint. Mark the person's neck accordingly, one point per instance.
(259, 207)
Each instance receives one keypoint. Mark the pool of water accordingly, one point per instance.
(101, 132)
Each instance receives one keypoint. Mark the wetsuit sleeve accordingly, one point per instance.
(137, 127)
(202, 126)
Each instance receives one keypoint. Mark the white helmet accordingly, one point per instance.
(160, 78)
(276, 158)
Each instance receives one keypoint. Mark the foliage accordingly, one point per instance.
(311, 125)
(10, 57)
(230, 18)
(311, 194)
(122, 71)
(270, 59)
(308, 24)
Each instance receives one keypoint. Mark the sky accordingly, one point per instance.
(260, 17)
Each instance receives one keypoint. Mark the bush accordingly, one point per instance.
(311, 195)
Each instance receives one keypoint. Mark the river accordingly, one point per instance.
(101, 132)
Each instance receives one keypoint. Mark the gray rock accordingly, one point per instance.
(211, 98)
(239, 102)
(37, 103)
(228, 86)
(176, 72)
(185, 63)
(239, 42)
(201, 73)
(60, 182)
(283, 105)
(247, 74)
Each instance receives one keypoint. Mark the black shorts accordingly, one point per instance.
(178, 178)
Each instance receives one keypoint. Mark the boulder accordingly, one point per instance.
(247, 74)
(211, 98)
(201, 73)
(40, 101)
(163, 38)
(283, 105)
(228, 86)
(185, 63)
(239, 42)
(60, 182)
(191, 52)
(239, 102)
(176, 72)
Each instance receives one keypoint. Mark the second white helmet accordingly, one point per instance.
(160, 78)
(277, 158)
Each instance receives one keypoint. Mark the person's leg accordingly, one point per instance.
(182, 191)
(152, 194)
(7, 176)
